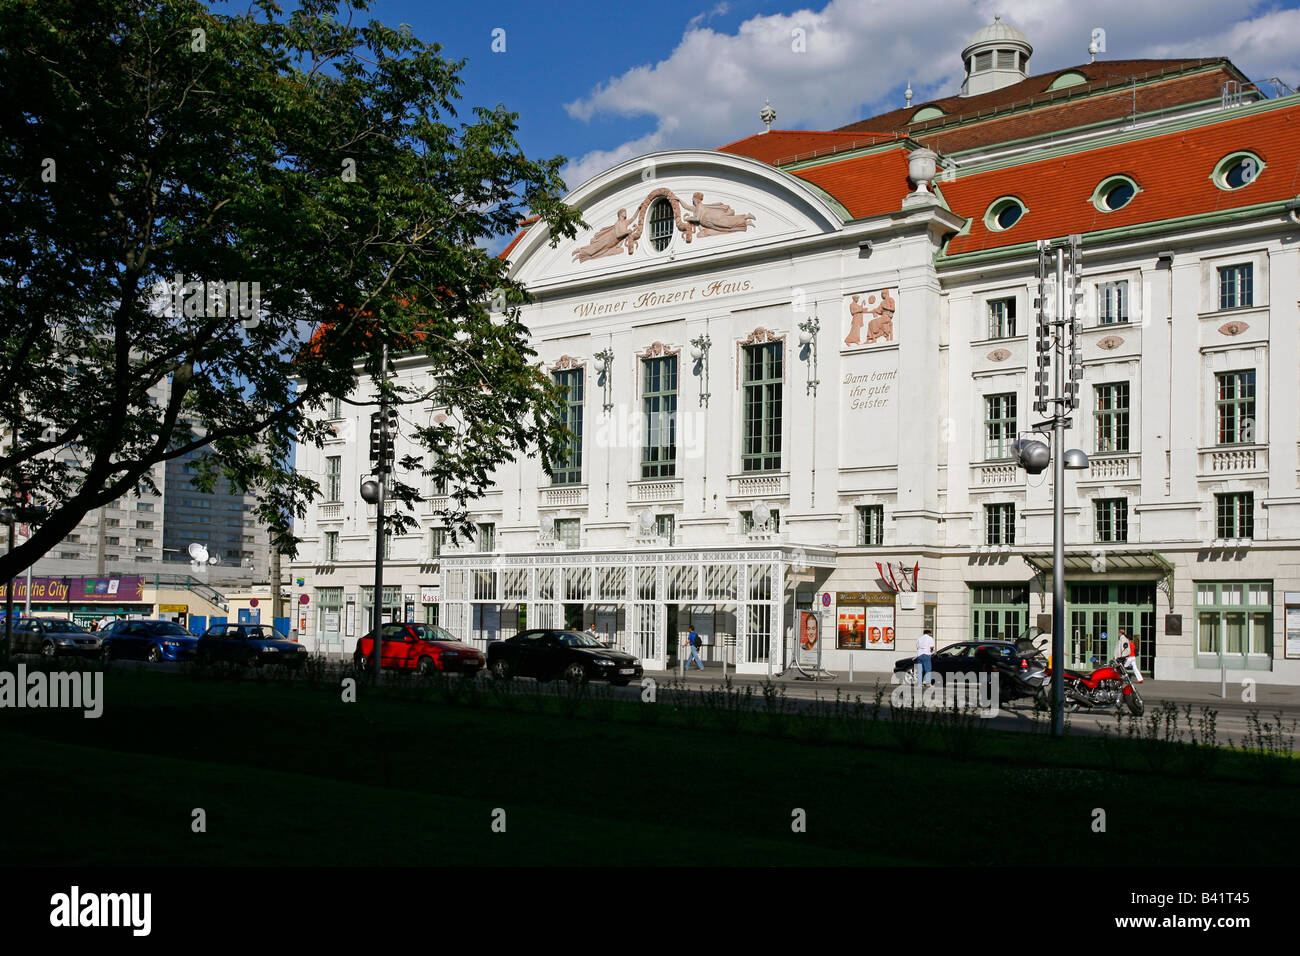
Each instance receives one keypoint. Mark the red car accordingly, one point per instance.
(423, 648)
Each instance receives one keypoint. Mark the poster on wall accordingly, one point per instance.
(1292, 632)
(352, 617)
(865, 621)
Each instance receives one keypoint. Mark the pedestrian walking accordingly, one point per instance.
(694, 643)
(924, 650)
(1126, 650)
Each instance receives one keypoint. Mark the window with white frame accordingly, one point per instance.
(487, 537)
(1235, 407)
(567, 532)
(1002, 318)
(1000, 523)
(331, 547)
(871, 525)
(999, 425)
(1112, 302)
(334, 478)
(435, 541)
(1237, 286)
(1110, 519)
(1234, 515)
(1110, 416)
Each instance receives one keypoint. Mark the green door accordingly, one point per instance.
(1102, 609)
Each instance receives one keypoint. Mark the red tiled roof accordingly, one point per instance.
(783, 144)
(1111, 104)
(867, 185)
(524, 224)
(1173, 171)
(1098, 74)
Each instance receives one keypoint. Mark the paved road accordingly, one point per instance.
(1231, 722)
(1232, 714)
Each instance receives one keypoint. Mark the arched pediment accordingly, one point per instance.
(674, 207)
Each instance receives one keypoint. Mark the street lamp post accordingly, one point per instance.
(1055, 326)
(373, 492)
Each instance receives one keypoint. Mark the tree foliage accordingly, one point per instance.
(314, 160)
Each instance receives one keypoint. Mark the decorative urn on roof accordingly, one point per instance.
(922, 167)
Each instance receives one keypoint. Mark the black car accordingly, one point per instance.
(152, 641)
(573, 655)
(1013, 660)
(53, 637)
(248, 644)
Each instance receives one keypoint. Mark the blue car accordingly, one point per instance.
(152, 641)
(250, 645)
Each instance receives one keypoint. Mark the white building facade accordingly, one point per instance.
(793, 387)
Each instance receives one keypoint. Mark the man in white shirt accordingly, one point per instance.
(1126, 650)
(924, 649)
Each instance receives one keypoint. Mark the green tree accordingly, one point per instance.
(316, 162)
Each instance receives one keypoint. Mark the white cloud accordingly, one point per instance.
(859, 54)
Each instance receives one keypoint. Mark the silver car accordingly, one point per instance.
(53, 637)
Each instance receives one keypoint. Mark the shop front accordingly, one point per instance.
(644, 601)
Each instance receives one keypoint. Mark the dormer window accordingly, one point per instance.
(1003, 213)
(1237, 170)
(1114, 192)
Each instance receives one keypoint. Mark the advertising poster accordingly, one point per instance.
(810, 632)
(850, 632)
(865, 621)
(1292, 632)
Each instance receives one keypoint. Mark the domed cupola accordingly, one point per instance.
(996, 56)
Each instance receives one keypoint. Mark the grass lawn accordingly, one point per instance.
(289, 774)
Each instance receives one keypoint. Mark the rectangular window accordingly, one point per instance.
(1110, 518)
(331, 546)
(999, 425)
(335, 407)
(1112, 302)
(1110, 416)
(1234, 515)
(764, 374)
(487, 537)
(659, 404)
(1002, 318)
(388, 545)
(1235, 407)
(143, 506)
(1234, 618)
(112, 522)
(567, 531)
(144, 525)
(112, 540)
(748, 526)
(1237, 286)
(999, 612)
(871, 525)
(666, 527)
(334, 478)
(1000, 524)
(568, 466)
(437, 486)
(1006, 59)
(984, 61)
(143, 542)
(435, 542)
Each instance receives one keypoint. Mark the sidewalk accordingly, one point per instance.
(1196, 693)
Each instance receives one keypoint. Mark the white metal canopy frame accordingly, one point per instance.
(639, 586)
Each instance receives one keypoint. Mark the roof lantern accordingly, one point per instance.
(995, 56)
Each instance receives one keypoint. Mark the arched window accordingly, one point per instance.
(661, 224)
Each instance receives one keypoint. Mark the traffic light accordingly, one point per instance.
(383, 436)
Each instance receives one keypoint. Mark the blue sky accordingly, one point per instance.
(600, 82)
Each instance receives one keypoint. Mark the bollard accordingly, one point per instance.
(850, 667)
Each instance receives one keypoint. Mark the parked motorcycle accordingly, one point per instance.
(1025, 677)
(1106, 687)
